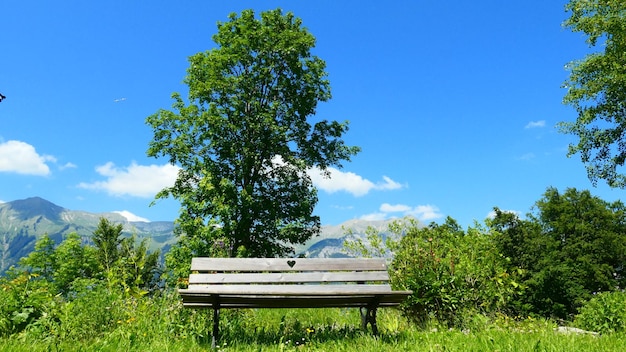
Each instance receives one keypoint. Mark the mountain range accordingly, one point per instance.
(23, 221)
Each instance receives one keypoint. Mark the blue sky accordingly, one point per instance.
(454, 103)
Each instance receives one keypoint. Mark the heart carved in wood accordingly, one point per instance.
(291, 263)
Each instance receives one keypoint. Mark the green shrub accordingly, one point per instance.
(604, 313)
(23, 300)
(453, 274)
(93, 311)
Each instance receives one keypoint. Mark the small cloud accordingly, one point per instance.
(349, 182)
(388, 185)
(423, 213)
(22, 158)
(135, 180)
(398, 208)
(68, 166)
(535, 124)
(130, 216)
(374, 217)
(527, 156)
(339, 207)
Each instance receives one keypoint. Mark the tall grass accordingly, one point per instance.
(163, 325)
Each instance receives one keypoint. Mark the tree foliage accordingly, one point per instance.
(136, 268)
(60, 265)
(596, 90)
(245, 142)
(574, 245)
(107, 238)
(124, 261)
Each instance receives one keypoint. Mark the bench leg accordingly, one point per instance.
(216, 327)
(369, 317)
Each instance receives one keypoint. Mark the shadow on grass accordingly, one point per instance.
(298, 335)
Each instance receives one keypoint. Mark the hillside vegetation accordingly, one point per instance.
(23, 222)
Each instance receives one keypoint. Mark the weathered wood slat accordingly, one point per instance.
(283, 264)
(274, 277)
(288, 290)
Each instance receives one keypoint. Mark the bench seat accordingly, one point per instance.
(218, 283)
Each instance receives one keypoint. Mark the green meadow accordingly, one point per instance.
(163, 325)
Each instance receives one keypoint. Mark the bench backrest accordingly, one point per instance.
(207, 271)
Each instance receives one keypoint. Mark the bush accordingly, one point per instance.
(23, 300)
(93, 311)
(604, 313)
(453, 274)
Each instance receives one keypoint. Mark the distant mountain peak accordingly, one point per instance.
(35, 206)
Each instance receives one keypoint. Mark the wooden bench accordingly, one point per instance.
(290, 283)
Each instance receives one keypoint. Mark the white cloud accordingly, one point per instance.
(349, 182)
(130, 216)
(527, 156)
(388, 185)
(135, 180)
(423, 213)
(22, 158)
(343, 207)
(535, 124)
(374, 217)
(398, 208)
(68, 166)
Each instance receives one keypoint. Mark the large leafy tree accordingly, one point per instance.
(245, 139)
(573, 245)
(596, 88)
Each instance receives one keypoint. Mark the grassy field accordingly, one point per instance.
(322, 330)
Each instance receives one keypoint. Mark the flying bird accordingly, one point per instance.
(2, 97)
